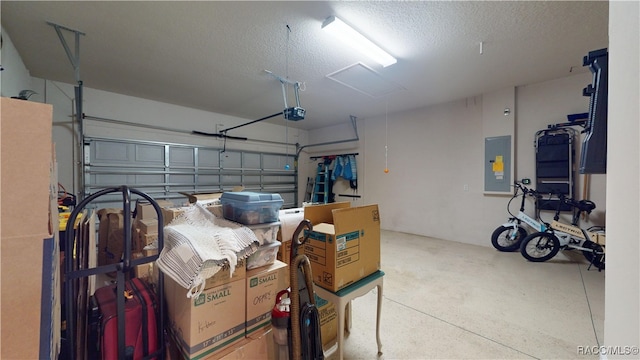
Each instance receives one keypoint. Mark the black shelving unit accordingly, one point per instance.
(555, 173)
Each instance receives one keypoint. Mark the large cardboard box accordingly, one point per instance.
(224, 275)
(27, 231)
(261, 346)
(209, 323)
(344, 245)
(263, 284)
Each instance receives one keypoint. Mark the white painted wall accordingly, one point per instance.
(15, 76)
(434, 152)
(622, 288)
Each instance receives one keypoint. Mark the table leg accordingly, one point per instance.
(378, 319)
(341, 318)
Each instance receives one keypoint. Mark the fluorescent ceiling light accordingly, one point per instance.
(357, 41)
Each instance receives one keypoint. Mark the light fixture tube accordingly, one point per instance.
(357, 41)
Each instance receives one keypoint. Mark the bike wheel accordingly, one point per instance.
(595, 257)
(507, 238)
(540, 246)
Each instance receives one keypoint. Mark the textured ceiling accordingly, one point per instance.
(211, 55)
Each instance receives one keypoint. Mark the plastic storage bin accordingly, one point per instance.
(251, 208)
(265, 255)
(266, 233)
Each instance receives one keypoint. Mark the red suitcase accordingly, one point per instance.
(141, 337)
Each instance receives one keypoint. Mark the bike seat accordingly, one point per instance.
(585, 205)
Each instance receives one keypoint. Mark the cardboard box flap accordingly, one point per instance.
(362, 215)
(322, 213)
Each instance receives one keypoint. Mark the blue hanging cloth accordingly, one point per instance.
(347, 173)
(338, 168)
(353, 181)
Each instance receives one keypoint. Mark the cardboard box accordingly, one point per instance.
(259, 347)
(224, 276)
(213, 321)
(146, 239)
(147, 226)
(146, 211)
(328, 320)
(344, 245)
(263, 284)
(168, 214)
(26, 163)
(284, 253)
(143, 271)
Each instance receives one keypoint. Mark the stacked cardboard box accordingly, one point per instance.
(344, 245)
(144, 232)
(232, 307)
(263, 284)
(202, 327)
(146, 222)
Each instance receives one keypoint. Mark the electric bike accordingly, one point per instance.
(508, 236)
(544, 245)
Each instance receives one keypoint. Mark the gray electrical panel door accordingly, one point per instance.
(497, 164)
(164, 170)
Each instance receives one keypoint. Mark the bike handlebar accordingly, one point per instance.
(525, 190)
(582, 205)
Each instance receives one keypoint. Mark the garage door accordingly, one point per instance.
(164, 170)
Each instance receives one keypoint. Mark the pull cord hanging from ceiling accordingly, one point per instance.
(286, 123)
(386, 132)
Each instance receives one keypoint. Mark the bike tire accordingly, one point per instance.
(595, 257)
(502, 239)
(540, 246)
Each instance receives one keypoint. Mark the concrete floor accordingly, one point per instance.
(448, 300)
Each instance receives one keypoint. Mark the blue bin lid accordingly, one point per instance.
(247, 196)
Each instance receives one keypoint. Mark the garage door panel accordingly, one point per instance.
(164, 170)
(231, 160)
(208, 179)
(181, 156)
(110, 151)
(149, 154)
(209, 158)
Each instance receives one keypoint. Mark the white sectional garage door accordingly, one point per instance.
(164, 170)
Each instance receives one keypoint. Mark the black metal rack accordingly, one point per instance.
(74, 271)
(555, 155)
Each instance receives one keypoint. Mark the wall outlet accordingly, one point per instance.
(466, 187)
